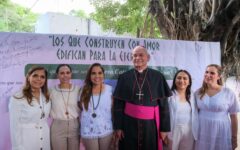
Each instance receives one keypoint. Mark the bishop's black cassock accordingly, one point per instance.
(141, 134)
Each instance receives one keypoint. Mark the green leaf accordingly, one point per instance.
(15, 18)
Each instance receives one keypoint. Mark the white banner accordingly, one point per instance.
(18, 51)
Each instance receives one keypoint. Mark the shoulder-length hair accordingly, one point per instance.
(27, 90)
(203, 89)
(87, 88)
(188, 89)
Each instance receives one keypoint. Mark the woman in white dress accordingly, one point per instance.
(183, 113)
(218, 107)
(96, 105)
(65, 111)
(29, 110)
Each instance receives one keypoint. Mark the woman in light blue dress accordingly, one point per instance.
(218, 107)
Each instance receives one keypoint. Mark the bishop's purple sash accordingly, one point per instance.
(145, 112)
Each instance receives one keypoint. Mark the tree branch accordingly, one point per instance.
(215, 4)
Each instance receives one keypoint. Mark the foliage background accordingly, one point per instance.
(14, 18)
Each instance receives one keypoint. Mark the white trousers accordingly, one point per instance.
(182, 138)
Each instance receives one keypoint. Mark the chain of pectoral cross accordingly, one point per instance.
(140, 94)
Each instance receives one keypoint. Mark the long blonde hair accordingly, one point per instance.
(203, 89)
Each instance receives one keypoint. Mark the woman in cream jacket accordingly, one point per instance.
(29, 110)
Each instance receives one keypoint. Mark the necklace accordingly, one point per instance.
(140, 94)
(94, 115)
(66, 102)
(41, 103)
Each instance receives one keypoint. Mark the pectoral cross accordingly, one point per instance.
(139, 95)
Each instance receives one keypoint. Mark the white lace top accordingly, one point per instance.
(101, 125)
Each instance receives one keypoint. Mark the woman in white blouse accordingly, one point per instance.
(65, 111)
(183, 113)
(29, 110)
(96, 105)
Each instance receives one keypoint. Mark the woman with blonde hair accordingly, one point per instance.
(29, 110)
(218, 107)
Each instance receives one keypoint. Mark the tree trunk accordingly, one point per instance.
(204, 20)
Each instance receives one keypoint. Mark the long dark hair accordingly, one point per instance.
(27, 91)
(204, 87)
(88, 85)
(188, 90)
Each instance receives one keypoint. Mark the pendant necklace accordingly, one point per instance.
(41, 103)
(66, 102)
(140, 94)
(94, 115)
